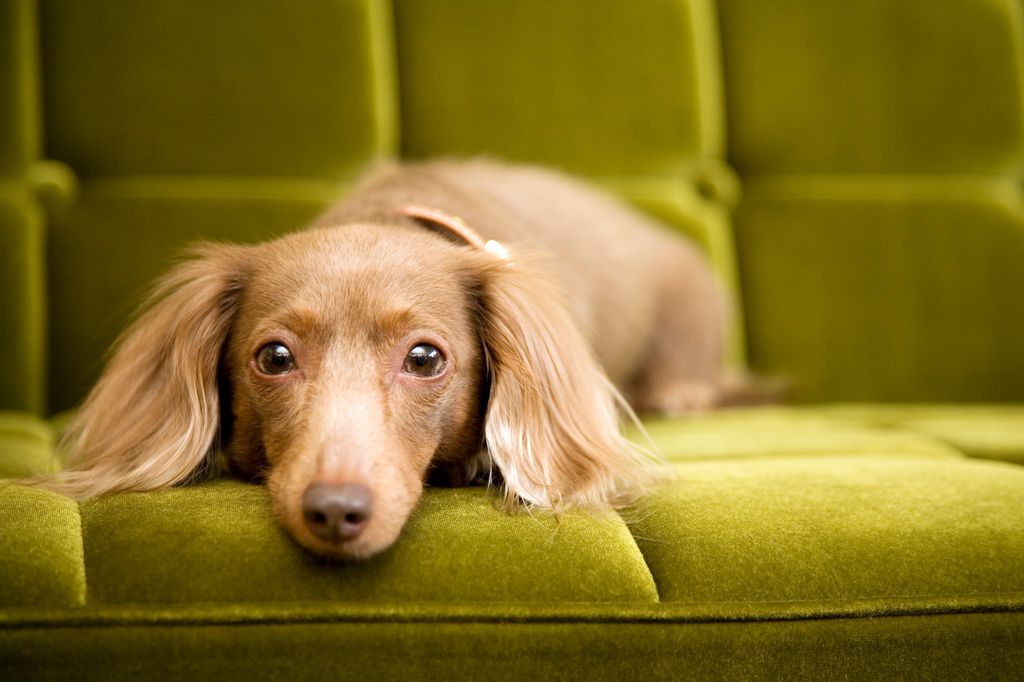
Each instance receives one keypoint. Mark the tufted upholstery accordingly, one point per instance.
(852, 169)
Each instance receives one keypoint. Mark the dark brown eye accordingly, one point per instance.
(275, 358)
(424, 361)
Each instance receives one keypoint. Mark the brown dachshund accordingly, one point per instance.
(457, 320)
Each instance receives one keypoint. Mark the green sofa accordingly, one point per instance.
(853, 169)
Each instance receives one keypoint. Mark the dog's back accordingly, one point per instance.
(644, 297)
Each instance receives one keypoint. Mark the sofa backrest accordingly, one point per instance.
(878, 247)
(881, 239)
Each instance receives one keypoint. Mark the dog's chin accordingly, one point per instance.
(375, 539)
(353, 550)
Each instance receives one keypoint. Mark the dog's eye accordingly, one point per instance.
(424, 361)
(275, 358)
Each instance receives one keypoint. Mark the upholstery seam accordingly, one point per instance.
(107, 621)
(84, 593)
(647, 564)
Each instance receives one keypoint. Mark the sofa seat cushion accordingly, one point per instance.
(26, 445)
(730, 537)
(41, 559)
(994, 431)
(789, 538)
(728, 540)
(838, 534)
(219, 543)
(745, 433)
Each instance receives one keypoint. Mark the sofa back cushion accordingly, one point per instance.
(881, 239)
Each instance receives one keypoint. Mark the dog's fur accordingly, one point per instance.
(593, 295)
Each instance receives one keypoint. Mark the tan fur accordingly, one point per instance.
(535, 346)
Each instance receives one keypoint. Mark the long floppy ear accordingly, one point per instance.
(153, 418)
(552, 420)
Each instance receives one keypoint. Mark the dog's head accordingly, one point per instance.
(340, 365)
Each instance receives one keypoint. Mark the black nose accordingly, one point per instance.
(337, 512)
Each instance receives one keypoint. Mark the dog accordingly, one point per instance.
(453, 321)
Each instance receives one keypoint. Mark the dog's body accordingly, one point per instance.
(346, 362)
(645, 299)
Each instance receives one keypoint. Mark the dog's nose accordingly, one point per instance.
(336, 512)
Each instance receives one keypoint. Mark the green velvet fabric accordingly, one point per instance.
(783, 432)
(874, 86)
(909, 648)
(91, 301)
(190, 122)
(881, 235)
(22, 315)
(19, 114)
(26, 445)
(983, 431)
(885, 288)
(791, 541)
(571, 84)
(659, 147)
(832, 529)
(457, 548)
(42, 562)
(23, 312)
(171, 88)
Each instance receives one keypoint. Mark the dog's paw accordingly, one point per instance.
(682, 399)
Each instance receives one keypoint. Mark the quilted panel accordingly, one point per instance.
(457, 547)
(133, 230)
(19, 116)
(818, 531)
(26, 445)
(994, 431)
(259, 88)
(885, 289)
(738, 434)
(596, 87)
(23, 312)
(873, 86)
(41, 561)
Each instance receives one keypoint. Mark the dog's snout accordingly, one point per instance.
(337, 513)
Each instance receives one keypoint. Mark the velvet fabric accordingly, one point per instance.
(94, 301)
(26, 445)
(881, 233)
(285, 91)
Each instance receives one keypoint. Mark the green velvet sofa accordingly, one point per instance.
(853, 169)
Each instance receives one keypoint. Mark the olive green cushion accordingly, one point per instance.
(286, 89)
(23, 312)
(791, 541)
(457, 548)
(908, 524)
(983, 431)
(906, 647)
(910, 286)
(144, 225)
(777, 565)
(817, 535)
(19, 114)
(881, 233)
(783, 432)
(873, 87)
(26, 445)
(601, 88)
(42, 562)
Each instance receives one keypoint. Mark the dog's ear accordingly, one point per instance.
(153, 418)
(552, 420)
